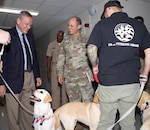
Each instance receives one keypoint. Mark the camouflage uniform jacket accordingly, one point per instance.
(72, 56)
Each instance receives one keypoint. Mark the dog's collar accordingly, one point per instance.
(145, 106)
(41, 119)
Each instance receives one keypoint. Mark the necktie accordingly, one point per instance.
(29, 68)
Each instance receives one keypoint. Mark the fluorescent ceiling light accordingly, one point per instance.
(17, 11)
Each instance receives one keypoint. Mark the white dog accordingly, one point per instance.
(43, 113)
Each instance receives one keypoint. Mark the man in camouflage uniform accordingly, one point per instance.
(73, 64)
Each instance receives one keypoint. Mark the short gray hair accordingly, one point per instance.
(24, 13)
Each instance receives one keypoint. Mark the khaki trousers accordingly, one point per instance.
(121, 98)
(14, 113)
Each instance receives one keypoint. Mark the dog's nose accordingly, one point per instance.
(41, 91)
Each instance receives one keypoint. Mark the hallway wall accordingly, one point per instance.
(41, 46)
(131, 7)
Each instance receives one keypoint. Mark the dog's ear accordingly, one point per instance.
(47, 98)
(96, 98)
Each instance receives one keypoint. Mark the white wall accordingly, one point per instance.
(41, 48)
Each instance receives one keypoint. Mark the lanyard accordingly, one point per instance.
(1, 52)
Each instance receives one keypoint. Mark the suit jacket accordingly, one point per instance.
(13, 61)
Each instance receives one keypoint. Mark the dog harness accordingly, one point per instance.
(41, 119)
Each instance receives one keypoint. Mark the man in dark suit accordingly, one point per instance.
(16, 73)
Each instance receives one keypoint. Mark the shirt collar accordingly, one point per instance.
(18, 30)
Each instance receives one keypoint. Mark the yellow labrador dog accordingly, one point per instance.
(144, 105)
(43, 113)
(70, 113)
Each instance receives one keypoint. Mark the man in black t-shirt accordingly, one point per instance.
(118, 38)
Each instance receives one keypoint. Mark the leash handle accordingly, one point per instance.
(130, 110)
(95, 76)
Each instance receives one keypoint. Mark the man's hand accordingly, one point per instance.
(2, 90)
(38, 82)
(4, 37)
(143, 79)
(60, 79)
(95, 76)
(95, 72)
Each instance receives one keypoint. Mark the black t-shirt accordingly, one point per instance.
(119, 39)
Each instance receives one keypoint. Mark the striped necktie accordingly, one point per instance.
(28, 56)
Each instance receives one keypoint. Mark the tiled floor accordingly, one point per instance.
(3, 119)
